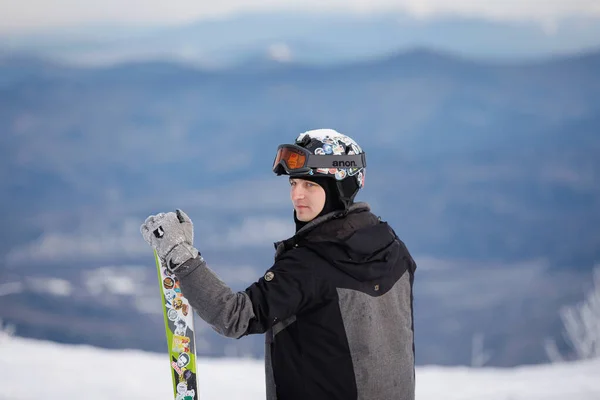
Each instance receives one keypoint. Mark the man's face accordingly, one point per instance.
(308, 198)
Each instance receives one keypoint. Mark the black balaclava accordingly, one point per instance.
(332, 198)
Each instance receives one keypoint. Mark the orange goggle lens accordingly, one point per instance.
(294, 159)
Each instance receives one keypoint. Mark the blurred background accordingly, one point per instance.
(480, 120)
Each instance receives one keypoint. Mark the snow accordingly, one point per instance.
(71, 372)
(84, 372)
(244, 235)
(10, 288)
(113, 280)
(280, 52)
(53, 286)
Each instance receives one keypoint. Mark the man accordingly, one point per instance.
(336, 305)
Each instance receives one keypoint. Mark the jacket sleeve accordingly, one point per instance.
(227, 312)
(286, 289)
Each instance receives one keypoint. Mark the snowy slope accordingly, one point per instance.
(44, 370)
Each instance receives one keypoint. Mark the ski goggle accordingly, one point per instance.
(296, 160)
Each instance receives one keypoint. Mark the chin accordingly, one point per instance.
(304, 217)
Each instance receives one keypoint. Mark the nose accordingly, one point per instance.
(297, 192)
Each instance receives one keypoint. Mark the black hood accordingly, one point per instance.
(368, 251)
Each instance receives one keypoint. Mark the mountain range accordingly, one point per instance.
(307, 38)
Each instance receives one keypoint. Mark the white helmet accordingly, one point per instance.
(327, 153)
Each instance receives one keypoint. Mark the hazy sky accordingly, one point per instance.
(19, 15)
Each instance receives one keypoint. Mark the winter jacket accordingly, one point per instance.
(336, 309)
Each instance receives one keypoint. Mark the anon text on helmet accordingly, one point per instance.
(347, 164)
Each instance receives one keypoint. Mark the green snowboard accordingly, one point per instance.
(179, 326)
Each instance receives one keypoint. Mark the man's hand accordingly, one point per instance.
(172, 236)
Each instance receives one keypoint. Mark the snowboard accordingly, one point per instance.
(179, 326)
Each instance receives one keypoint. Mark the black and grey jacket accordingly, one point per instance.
(336, 308)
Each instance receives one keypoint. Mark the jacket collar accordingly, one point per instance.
(287, 244)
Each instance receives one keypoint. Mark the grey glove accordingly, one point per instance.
(172, 236)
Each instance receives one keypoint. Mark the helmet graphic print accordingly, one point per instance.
(328, 153)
